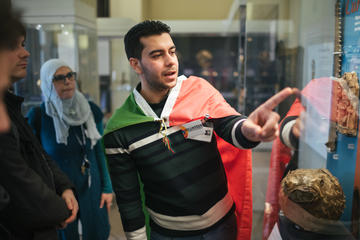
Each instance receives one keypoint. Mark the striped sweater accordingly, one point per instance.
(185, 186)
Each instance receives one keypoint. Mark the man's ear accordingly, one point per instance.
(135, 64)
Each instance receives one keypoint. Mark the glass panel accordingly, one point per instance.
(311, 45)
(74, 44)
(213, 58)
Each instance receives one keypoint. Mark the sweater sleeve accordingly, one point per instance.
(286, 134)
(229, 129)
(126, 186)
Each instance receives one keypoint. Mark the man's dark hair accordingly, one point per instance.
(11, 27)
(133, 46)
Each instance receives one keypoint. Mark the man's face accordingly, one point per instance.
(19, 60)
(158, 67)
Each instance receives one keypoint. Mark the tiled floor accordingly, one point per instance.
(261, 159)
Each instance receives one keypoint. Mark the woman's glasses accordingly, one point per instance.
(62, 77)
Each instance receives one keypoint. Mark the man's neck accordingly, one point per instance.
(153, 97)
(150, 94)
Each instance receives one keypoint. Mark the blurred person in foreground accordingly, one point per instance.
(6, 43)
(180, 138)
(41, 196)
(69, 128)
(7, 40)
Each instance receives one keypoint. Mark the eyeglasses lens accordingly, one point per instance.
(61, 77)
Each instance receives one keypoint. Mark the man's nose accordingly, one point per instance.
(170, 59)
(24, 53)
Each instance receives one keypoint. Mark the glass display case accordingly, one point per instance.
(73, 43)
(212, 57)
(316, 50)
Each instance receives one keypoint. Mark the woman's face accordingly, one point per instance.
(65, 84)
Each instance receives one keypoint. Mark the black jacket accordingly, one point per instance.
(32, 180)
(4, 198)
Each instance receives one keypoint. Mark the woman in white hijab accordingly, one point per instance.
(69, 128)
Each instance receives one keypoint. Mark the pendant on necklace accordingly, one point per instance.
(83, 169)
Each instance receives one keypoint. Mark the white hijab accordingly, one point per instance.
(68, 112)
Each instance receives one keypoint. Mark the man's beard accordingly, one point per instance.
(153, 82)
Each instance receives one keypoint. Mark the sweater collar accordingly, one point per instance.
(169, 104)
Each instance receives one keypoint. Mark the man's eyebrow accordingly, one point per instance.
(156, 51)
(160, 50)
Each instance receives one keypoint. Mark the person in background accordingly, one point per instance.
(69, 128)
(41, 196)
(206, 70)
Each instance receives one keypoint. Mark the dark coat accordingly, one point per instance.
(4, 198)
(32, 180)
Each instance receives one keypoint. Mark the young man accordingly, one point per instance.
(41, 196)
(180, 165)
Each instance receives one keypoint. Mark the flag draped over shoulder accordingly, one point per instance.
(194, 99)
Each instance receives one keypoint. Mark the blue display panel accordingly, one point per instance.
(342, 162)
